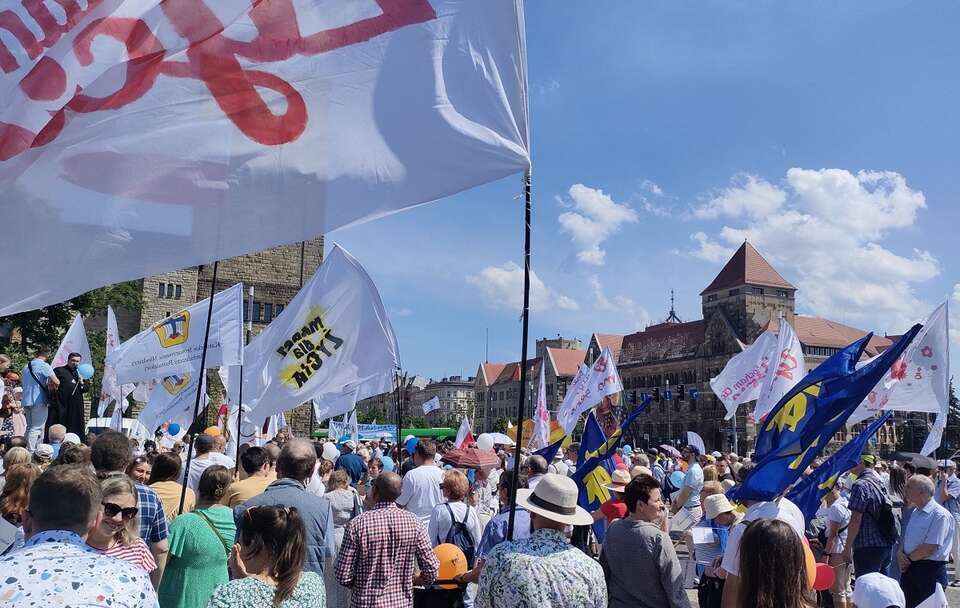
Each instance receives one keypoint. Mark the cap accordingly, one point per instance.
(875, 590)
(868, 458)
(716, 454)
(44, 451)
(71, 438)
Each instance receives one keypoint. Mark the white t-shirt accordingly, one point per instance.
(783, 509)
(440, 522)
(839, 513)
(199, 465)
(420, 491)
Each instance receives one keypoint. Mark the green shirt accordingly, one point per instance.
(198, 560)
(251, 592)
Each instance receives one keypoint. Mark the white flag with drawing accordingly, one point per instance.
(788, 369)
(172, 399)
(431, 405)
(75, 341)
(588, 388)
(174, 345)
(148, 136)
(743, 375)
(540, 438)
(919, 380)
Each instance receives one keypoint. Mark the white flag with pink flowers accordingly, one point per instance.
(144, 136)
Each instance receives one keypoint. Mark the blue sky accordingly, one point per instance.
(662, 134)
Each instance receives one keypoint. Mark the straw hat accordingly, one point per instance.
(715, 505)
(619, 480)
(555, 498)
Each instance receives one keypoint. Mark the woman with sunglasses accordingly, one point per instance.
(200, 543)
(267, 564)
(118, 534)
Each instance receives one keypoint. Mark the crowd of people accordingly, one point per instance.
(106, 520)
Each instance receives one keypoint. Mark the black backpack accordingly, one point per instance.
(459, 535)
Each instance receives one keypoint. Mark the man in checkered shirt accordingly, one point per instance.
(379, 548)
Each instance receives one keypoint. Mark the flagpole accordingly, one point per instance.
(246, 340)
(196, 404)
(523, 352)
(397, 399)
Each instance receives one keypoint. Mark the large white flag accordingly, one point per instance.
(919, 380)
(144, 136)
(75, 341)
(175, 344)
(787, 371)
(330, 405)
(172, 399)
(540, 437)
(333, 337)
(431, 405)
(588, 388)
(111, 390)
(743, 375)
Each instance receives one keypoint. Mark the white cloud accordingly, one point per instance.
(747, 195)
(630, 315)
(502, 288)
(651, 187)
(400, 312)
(825, 236)
(595, 218)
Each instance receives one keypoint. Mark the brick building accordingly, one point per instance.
(746, 297)
(497, 385)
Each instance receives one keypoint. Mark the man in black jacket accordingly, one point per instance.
(69, 407)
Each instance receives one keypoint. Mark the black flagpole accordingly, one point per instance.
(246, 340)
(203, 370)
(523, 353)
(401, 380)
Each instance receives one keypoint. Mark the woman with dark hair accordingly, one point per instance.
(772, 546)
(16, 491)
(165, 481)
(72, 453)
(200, 544)
(140, 468)
(267, 564)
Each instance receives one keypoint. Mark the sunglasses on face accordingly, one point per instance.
(111, 510)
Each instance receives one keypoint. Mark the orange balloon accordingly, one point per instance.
(810, 565)
(452, 562)
(213, 431)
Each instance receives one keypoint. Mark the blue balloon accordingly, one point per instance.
(85, 370)
(174, 428)
(388, 465)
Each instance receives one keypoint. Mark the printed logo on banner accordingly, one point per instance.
(173, 330)
(304, 352)
(175, 384)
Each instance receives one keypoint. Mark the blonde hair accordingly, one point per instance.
(16, 455)
(121, 484)
(710, 473)
(456, 485)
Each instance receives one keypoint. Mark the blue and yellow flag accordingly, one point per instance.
(595, 463)
(800, 426)
(809, 493)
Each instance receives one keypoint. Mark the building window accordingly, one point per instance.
(733, 292)
(267, 312)
(179, 292)
(279, 308)
(712, 297)
(257, 313)
(758, 291)
(160, 290)
(782, 293)
(246, 310)
(170, 290)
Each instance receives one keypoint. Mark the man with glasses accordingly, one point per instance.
(69, 407)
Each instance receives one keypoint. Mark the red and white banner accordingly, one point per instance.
(144, 136)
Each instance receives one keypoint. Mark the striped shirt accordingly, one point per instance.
(136, 553)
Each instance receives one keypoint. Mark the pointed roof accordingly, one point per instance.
(488, 372)
(747, 266)
(612, 341)
(566, 361)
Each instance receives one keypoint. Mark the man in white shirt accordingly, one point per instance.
(781, 509)
(420, 491)
(205, 457)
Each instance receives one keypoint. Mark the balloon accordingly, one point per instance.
(810, 564)
(173, 429)
(330, 452)
(85, 370)
(213, 431)
(452, 562)
(485, 441)
(388, 465)
(410, 444)
(825, 577)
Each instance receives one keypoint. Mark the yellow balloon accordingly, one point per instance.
(213, 431)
